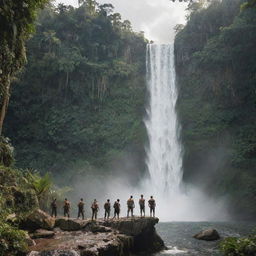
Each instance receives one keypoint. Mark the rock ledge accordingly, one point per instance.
(121, 237)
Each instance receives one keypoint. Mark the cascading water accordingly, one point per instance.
(164, 154)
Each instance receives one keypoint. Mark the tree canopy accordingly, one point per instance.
(80, 100)
(16, 24)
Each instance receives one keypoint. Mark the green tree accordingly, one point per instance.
(88, 75)
(215, 63)
(16, 24)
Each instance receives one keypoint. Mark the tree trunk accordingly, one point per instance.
(5, 102)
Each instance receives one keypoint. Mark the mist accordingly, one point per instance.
(189, 204)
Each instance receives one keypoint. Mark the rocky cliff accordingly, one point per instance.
(121, 237)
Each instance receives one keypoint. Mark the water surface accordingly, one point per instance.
(178, 236)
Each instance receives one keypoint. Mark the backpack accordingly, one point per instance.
(130, 203)
(151, 202)
(142, 202)
(116, 206)
(81, 205)
(107, 206)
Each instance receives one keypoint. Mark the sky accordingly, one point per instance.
(156, 18)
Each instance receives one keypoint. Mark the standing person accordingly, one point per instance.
(54, 207)
(117, 208)
(142, 205)
(81, 208)
(95, 209)
(152, 206)
(66, 208)
(130, 206)
(107, 208)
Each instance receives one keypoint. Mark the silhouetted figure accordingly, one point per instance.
(54, 207)
(117, 208)
(66, 208)
(81, 208)
(142, 205)
(130, 206)
(152, 206)
(95, 209)
(107, 208)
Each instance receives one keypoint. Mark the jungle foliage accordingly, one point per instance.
(16, 24)
(21, 192)
(215, 60)
(80, 100)
(17, 200)
(13, 240)
(234, 246)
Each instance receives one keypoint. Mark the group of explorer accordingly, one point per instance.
(107, 207)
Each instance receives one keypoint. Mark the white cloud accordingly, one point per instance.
(155, 17)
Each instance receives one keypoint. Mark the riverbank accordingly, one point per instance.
(72, 237)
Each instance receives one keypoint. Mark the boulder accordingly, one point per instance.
(94, 227)
(145, 238)
(29, 241)
(132, 226)
(54, 253)
(42, 233)
(112, 247)
(208, 235)
(70, 224)
(89, 252)
(38, 219)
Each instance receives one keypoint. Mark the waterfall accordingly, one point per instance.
(164, 153)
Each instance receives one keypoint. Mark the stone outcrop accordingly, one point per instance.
(70, 224)
(42, 233)
(55, 253)
(38, 219)
(208, 235)
(143, 232)
(102, 238)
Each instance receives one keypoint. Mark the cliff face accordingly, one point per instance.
(89, 238)
(215, 64)
(143, 232)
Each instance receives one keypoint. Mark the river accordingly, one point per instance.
(178, 236)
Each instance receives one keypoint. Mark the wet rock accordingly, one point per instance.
(42, 233)
(70, 224)
(38, 219)
(103, 239)
(132, 226)
(55, 253)
(145, 238)
(95, 227)
(208, 235)
(90, 252)
(112, 247)
(29, 241)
